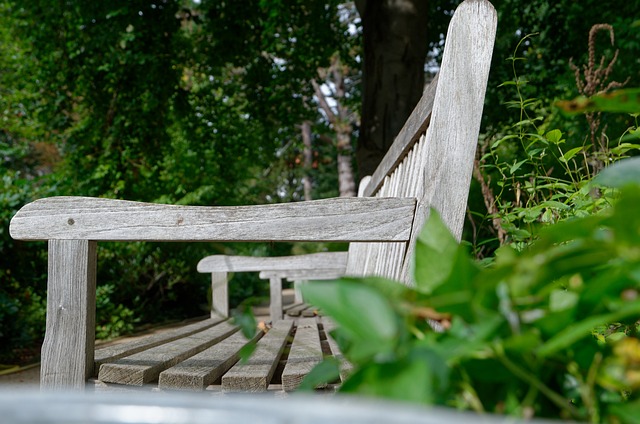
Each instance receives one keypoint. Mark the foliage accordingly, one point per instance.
(547, 331)
(158, 102)
(531, 172)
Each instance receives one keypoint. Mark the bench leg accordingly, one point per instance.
(219, 294)
(275, 307)
(297, 290)
(68, 349)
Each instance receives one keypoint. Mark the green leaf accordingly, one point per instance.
(435, 254)
(554, 136)
(562, 299)
(621, 101)
(362, 312)
(516, 166)
(246, 351)
(325, 372)
(499, 141)
(628, 413)
(577, 331)
(623, 148)
(624, 172)
(419, 377)
(243, 317)
(570, 154)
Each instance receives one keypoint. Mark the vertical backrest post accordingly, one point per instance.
(452, 137)
(68, 348)
(219, 294)
(275, 306)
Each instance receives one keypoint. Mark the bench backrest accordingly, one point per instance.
(432, 157)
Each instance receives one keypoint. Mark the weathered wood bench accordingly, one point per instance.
(297, 269)
(428, 166)
(219, 266)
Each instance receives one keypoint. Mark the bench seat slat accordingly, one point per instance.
(296, 310)
(203, 369)
(306, 353)
(345, 366)
(144, 367)
(255, 374)
(111, 353)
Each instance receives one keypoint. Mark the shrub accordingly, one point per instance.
(550, 330)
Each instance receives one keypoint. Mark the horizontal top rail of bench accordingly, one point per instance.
(231, 263)
(340, 219)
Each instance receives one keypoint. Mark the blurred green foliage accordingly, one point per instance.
(547, 331)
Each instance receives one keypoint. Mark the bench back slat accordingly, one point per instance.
(432, 157)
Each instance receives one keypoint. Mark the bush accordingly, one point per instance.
(550, 330)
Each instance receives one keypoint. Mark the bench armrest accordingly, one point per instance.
(96, 219)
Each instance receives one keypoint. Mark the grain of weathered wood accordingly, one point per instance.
(311, 311)
(229, 263)
(346, 368)
(340, 219)
(296, 310)
(451, 140)
(68, 348)
(255, 374)
(144, 367)
(292, 306)
(306, 353)
(120, 350)
(203, 369)
(275, 304)
(219, 294)
(305, 274)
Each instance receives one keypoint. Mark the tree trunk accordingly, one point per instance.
(305, 129)
(395, 50)
(340, 120)
(346, 181)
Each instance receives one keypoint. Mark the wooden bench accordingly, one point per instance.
(219, 266)
(428, 166)
(300, 268)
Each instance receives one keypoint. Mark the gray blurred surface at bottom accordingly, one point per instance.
(20, 406)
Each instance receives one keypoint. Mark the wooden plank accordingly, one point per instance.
(305, 274)
(339, 219)
(144, 367)
(452, 138)
(275, 303)
(346, 368)
(296, 310)
(415, 125)
(255, 375)
(117, 351)
(205, 368)
(229, 263)
(310, 312)
(306, 353)
(292, 306)
(219, 294)
(68, 348)
(297, 290)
